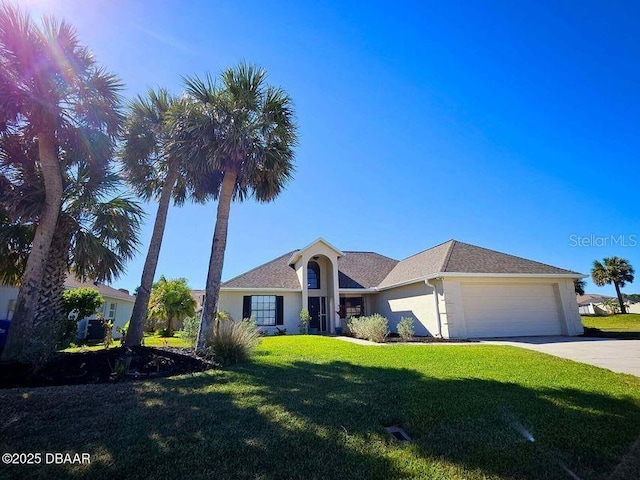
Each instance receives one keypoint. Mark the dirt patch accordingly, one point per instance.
(102, 366)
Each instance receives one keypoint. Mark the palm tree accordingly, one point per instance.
(579, 285)
(50, 85)
(614, 270)
(242, 135)
(171, 300)
(154, 170)
(96, 233)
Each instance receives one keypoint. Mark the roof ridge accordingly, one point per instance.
(443, 267)
(374, 253)
(262, 265)
(427, 249)
(514, 256)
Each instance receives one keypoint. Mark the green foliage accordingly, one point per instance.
(579, 285)
(84, 301)
(171, 300)
(189, 332)
(232, 342)
(108, 332)
(405, 328)
(374, 328)
(612, 305)
(305, 318)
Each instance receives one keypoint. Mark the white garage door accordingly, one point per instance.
(510, 310)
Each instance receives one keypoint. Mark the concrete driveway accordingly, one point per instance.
(622, 356)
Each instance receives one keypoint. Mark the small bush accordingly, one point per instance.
(374, 328)
(405, 328)
(232, 342)
(305, 319)
(190, 327)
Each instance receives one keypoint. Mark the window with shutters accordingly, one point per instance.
(265, 310)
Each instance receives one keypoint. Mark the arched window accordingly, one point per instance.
(313, 275)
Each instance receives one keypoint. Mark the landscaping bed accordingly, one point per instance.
(102, 366)
(395, 338)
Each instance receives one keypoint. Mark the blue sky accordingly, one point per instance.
(510, 125)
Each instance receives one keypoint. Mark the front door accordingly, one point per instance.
(318, 314)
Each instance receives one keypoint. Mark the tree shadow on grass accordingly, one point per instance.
(316, 421)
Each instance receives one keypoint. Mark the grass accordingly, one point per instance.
(314, 408)
(150, 340)
(615, 326)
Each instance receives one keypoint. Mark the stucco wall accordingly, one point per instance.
(231, 302)
(6, 294)
(415, 301)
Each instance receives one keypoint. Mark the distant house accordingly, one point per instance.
(117, 307)
(453, 290)
(593, 304)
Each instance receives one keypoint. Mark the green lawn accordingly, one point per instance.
(314, 408)
(621, 326)
(150, 340)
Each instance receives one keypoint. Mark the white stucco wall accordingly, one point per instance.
(415, 301)
(231, 302)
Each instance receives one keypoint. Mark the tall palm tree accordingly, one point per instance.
(96, 233)
(614, 270)
(242, 135)
(154, 170)
(49, 84)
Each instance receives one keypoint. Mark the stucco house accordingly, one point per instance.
(453, 290)
(117, 307)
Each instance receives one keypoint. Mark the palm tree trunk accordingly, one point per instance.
(23, 342)
(50, 321)
(216, 261)
(623, 309)
(139, 314)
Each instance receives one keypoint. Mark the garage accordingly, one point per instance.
(510, 310)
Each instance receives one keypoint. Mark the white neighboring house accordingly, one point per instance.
(593, 304)
(117, 307)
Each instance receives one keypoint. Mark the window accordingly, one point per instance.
(351, 307)
(266, 310)
(313, 275)
(111, 312)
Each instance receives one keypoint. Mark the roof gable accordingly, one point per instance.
(274, 274)
(104, 290)
(295, 256)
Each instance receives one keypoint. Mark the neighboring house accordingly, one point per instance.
(453, 290)
(117, 307)
(593, 304)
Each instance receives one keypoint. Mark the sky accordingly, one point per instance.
(509, 125)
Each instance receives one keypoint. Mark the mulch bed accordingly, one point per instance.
(102, 366)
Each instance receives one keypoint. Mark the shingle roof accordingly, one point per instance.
(104, 290)
(363, 269)
(274, 274)
(368, 269)
(458, 257)
(589, 298)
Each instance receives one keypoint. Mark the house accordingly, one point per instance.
(453, 290)
(593, 304)
(117, 307)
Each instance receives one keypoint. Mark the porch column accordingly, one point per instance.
(334, 301)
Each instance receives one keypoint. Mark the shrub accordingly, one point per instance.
(305, 318)
(374, 328)
(232, 342)
(189, 332)
(405, 328)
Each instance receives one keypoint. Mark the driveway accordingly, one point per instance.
(622, 356)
